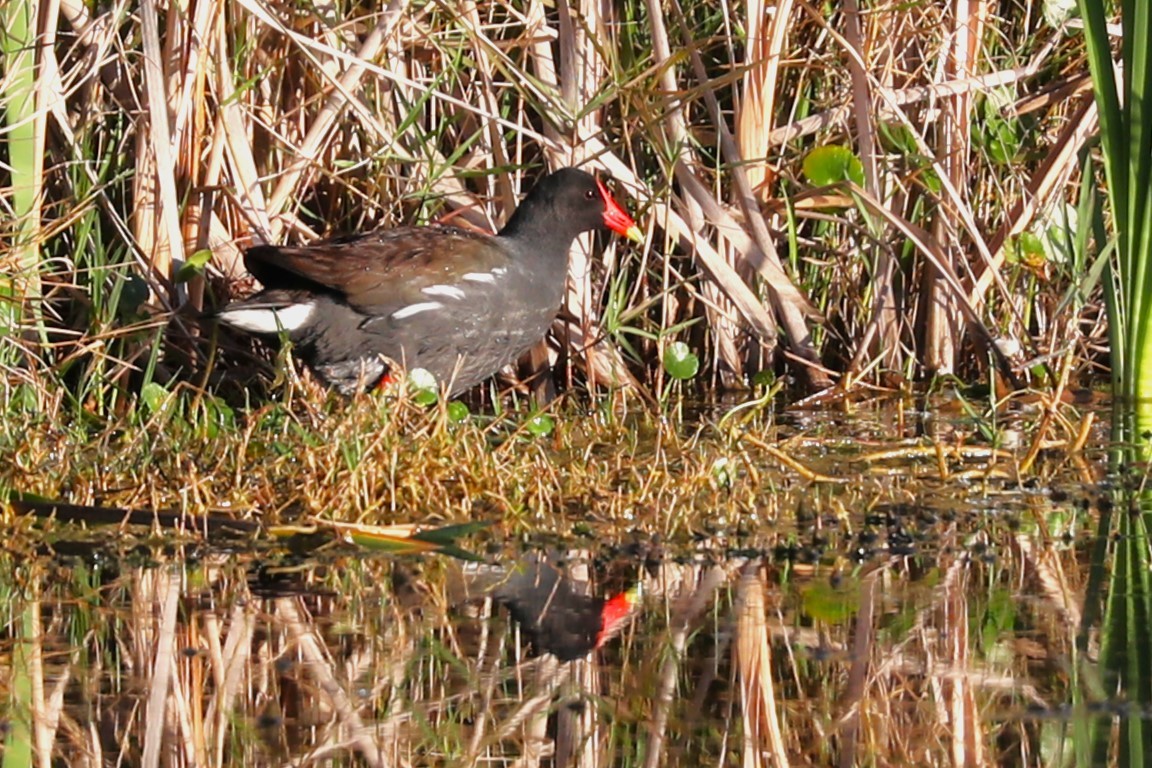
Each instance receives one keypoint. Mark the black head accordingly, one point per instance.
(564, 204)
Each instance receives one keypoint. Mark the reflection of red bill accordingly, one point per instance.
(557, 616)
(616, 614)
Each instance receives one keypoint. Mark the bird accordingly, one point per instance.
(457, 303)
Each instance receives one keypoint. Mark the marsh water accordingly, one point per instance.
(891, 588)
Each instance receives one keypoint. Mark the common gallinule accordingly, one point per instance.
(457, 303)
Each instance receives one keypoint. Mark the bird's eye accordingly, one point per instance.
(590, 194)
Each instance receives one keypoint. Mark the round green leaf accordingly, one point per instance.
(1031, 246)
(680, 362)
(458, 412)
(540, 425)
(765, 378)
(833, 164)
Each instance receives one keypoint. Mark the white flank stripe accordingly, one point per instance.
(447, 291)
(415, 309)
(479, 277)
(498, 271)
(290, 318)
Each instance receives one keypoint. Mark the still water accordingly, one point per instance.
(893, 590)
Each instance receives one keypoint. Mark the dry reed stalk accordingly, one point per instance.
(964, 215)
(188, 83)
(321, 131)
(185, 716)
(674, 109)
(378, 745)
(726, 279)
(33, 649)
(713, 262)
(756, 105)
(530, 718)
(967, 732)
(941, 327)
(763, 740)
(577, 727)
(791, 309)
(1051, 404)
(574, 82)
(891, 100)
(696, 590)
(242, 172)
(214, 653)
(790, 314)
(195, 681)
(159, 231)
(882, 335)
(162, 650)
(854, 701)
(727, 336)
(211, 232)
(54, 700)
(951, 196)
(1048, 568)
(484, 51)
(580, 722)
(488, 691)
(930, 249)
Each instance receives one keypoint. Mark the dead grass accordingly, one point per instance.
(173, 133)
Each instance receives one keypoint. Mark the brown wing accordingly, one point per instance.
(379, 269)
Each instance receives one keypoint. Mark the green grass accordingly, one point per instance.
(1126, 143)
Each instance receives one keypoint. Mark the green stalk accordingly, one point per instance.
(18, 743)
(1126, 139)
(24, 145)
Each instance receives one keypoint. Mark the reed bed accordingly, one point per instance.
(167, 139)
